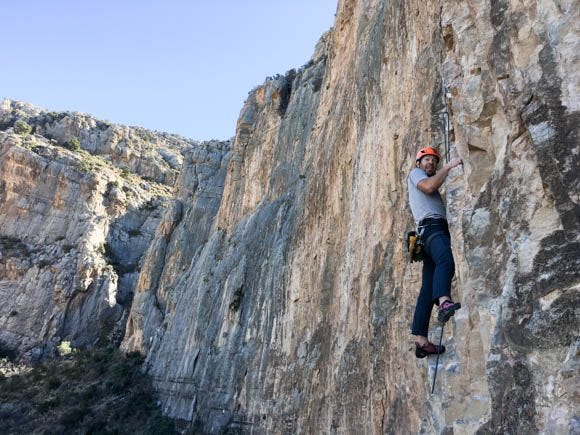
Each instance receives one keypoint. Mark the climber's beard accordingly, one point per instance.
(428, 165)
(430, 169)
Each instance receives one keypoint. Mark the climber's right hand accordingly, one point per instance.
(454, 162)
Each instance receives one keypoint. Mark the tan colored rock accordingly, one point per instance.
(294, 316)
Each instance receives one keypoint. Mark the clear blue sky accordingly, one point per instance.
(179, 66)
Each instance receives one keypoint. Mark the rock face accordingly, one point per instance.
(74, 228)
(275, 296)
(294, 316)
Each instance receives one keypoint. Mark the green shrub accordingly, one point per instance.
(159, 425)
(43, 263)
(149, 205)
(89, 394)
(13, 384)
(145, 135)
(48, 404)
(125, 172)
(53, 382)
(73, 144)
(85, 166)
(22, 127)
(64, 348)
(237, 299)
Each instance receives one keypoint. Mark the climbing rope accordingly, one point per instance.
(446, 125)
(446, 142)
(437, 362)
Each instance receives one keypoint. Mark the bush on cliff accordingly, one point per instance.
(22, 127)
(73, 144)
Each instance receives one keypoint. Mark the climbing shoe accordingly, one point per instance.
(428, 349)
(447, 310)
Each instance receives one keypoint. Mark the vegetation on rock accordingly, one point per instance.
(100, 391)
(22, 127)
(73, 144)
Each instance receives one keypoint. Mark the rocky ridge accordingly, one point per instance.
(154, 156)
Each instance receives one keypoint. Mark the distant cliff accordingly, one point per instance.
(272, 293)
(80, 203)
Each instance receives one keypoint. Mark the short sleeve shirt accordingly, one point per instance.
(423, 205)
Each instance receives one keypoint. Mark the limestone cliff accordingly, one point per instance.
(294, 316)
(275, 297)
(74, 225)
(152, 155)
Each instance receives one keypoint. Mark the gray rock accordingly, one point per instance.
(269, 292)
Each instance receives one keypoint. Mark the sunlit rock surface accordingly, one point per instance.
(275, 296)
(74, 227)
(294, 315)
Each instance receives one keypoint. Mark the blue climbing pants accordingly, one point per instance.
(438, 270)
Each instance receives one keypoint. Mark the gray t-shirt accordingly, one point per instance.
(423, 205)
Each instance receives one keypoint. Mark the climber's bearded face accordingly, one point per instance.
(428, 164)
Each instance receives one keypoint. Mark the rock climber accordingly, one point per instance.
(438, 266)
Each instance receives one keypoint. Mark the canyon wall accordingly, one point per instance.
(269, 289)
(294, 315)
(80, 203)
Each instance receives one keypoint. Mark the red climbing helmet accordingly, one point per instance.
(427, 151)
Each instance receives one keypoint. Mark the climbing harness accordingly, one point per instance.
(417, 244)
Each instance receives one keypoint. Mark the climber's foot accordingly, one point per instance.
(428, 349)
(447, 310)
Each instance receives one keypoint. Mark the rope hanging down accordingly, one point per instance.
(437, 362)
(446, 125)
(446, 141)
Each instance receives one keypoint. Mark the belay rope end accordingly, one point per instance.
(437, 362)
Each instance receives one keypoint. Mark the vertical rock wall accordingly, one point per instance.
(58, 277)
(293, 315)
(512, 74)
